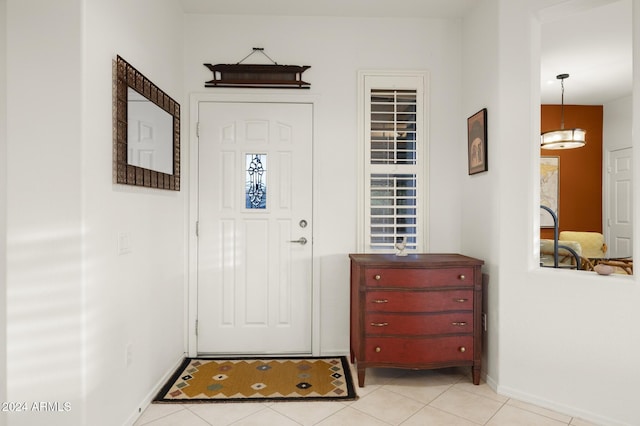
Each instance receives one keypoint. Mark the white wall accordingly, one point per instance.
(3, 205)
(567, 340)
(74, 306)
(480, 221)
(336, 48)
(616, 124)
(134, 301)
(44, 222)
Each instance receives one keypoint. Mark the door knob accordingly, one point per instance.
(301, 240)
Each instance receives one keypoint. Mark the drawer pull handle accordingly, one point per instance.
(379, 324)
(462, 349)
(378, 349)
(459, 323)
(377, 277)
(380, 301)
(460, 300)
(462, 277)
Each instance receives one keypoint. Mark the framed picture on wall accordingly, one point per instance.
(549, 189)
(477, 142)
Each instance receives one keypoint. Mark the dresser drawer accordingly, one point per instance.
(415, 351)
(418, 301)
(416, 278)
(418, 325)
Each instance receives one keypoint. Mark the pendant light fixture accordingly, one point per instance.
(563, 138)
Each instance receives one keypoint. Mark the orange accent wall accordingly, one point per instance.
(580, 198)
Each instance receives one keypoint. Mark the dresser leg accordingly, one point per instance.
(361, 372)
(475, 371)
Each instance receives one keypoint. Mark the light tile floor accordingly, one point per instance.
(391, 397)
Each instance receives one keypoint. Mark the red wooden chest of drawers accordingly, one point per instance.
(419, 311)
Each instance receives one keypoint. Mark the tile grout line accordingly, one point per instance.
(369, 414)
(332, 414)
(421, 402)
(284, 415)
(497, 411)
(198, 416)
(454, 414)
(157, 418)
(541, 414)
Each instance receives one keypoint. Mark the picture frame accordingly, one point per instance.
(549, 189)
(477, 142)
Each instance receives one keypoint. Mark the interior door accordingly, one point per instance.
(254, 228)
(620, 211)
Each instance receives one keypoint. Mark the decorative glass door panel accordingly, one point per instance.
(256, 181)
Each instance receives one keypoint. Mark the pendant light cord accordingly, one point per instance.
(561, 77)
(562, 105)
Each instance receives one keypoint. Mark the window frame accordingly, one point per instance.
(392, 80)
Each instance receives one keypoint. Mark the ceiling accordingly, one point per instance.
(349, 8)
(591, 44)
(588, 39)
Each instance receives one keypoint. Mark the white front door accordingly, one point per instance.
(620, 211)
(254, 228)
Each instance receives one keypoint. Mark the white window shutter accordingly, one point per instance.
(394, 146)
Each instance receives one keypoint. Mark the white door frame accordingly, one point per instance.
(192, 290)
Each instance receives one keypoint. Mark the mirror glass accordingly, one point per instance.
(589, 188)
(146, 131)
(149, 134)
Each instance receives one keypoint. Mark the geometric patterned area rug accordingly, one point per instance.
(206, 380)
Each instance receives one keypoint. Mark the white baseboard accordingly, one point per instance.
(552, 405)
(153, 392)
(491, 383)
(336, 352)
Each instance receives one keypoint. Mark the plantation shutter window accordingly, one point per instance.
(394, 174)
(393, 210)
(393, 126)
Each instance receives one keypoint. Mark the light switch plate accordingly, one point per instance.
(124, 243)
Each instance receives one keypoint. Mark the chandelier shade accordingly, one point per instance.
(563, 138)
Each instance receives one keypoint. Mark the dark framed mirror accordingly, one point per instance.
(146, 131)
